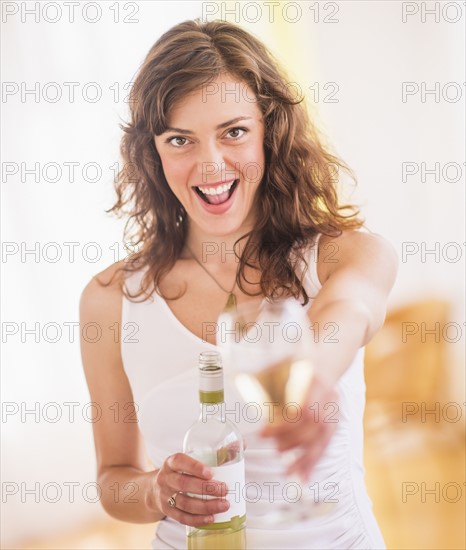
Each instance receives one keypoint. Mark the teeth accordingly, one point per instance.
(216, 190)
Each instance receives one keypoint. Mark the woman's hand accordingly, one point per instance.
(181, 474)
(310, 434)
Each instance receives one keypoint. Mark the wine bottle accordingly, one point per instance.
(217, 442)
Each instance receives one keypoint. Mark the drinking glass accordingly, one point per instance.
(266, 350)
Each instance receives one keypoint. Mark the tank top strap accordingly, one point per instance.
(311, 280)
(133, 284)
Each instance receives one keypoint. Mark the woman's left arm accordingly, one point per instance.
(348, 311)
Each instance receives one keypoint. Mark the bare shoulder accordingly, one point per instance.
(358, 249)
(100, 310)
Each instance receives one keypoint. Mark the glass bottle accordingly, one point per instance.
(217, 442)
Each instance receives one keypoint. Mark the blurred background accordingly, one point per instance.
(385, 83)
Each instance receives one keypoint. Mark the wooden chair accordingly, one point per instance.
(406, 368)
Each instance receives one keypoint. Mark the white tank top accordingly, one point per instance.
(160, 358)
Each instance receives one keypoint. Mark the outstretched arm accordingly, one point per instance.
(353, 297)
(352, 303)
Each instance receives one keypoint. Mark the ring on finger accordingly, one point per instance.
(172, 500)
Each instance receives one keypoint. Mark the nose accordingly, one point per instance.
(210, 163)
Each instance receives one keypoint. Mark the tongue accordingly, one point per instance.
(217, 199)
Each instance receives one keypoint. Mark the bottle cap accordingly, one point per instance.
(210, 360)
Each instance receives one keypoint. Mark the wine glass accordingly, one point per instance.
(266, 350)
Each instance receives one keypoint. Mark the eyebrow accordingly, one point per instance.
(218, 127)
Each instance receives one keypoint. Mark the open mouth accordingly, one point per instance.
(217, 196)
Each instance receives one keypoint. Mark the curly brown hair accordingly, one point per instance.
(297, 197)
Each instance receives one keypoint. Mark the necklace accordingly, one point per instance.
(231, 302)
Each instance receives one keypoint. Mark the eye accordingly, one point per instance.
(238, 130)
(170, 139)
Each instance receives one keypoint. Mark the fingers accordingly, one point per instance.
(182, 462)
(311, 432)
(185, 483)
(181, 474)
(312, 453)
(186, 518)
(198, 506)
(303, 432)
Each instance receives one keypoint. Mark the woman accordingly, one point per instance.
(231, 193)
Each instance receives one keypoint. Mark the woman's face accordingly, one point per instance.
(213, 155)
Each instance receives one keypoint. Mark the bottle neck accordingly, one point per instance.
(212, 405)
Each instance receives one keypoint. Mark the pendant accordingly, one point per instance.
(231, 302)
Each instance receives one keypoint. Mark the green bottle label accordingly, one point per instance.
(211, 396)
